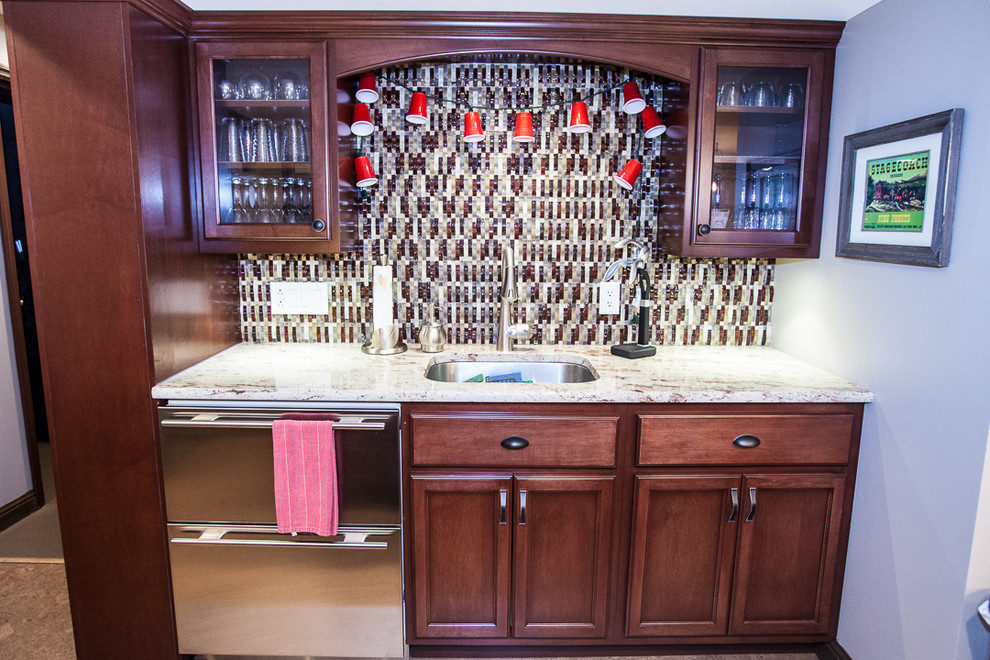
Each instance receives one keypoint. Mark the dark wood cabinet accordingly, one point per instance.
(762, 136)
(773, 538)
(521, 553)
(740, 521)
(556, 530)
(265, 148)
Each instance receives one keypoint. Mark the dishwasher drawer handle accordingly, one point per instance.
(349, 423)
(746, 441)
(214, 535)
(515, 442)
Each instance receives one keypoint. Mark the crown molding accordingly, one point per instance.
(492, 26)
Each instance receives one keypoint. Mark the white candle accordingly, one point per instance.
(381, 297)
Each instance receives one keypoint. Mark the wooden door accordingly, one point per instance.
(562, 540)
(788, 546)
(684, 532)
(460, 572)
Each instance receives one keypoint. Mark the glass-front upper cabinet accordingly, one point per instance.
(263, 146)
(763, 130)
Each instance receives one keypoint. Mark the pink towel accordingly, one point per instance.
(305, 476)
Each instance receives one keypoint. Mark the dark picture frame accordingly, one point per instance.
(898, 191)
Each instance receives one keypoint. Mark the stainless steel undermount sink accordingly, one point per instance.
(534, 369)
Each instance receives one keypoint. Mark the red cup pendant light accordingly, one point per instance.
(628, 175)
(472, 127)
(524, 128)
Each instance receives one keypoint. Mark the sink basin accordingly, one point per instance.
(536, 369)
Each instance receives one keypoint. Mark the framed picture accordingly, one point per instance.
(898, 190)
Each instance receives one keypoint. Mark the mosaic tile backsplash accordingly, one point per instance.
(444, 210)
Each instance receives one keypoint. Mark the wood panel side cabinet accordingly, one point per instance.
(762, 136)
(264, 143)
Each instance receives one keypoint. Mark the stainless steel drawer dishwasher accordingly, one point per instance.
(240, 587)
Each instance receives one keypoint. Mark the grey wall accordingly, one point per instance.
(15, 469)
(918, 337)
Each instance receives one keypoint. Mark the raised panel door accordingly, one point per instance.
(460, 573)
(788, 547)
(683, 543)
(562, 540)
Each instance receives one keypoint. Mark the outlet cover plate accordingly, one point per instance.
(608, 297)
(299, 298)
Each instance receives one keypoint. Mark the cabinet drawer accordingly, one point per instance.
(723, 439)
(486, 440)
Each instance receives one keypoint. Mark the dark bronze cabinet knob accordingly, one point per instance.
(319, 225)
(704, 230)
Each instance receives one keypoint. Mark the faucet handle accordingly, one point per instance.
(642, 250)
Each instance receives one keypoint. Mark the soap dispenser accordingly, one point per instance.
(432, 336)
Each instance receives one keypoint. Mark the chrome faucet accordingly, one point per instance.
(509, 332)
(642, 347)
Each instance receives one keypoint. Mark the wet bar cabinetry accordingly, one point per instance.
(744, 180)
(627, 525)
(264, 149)
(111, 142)
(763, 129)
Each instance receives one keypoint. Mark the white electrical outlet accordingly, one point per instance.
(299, 298)
(608, 298)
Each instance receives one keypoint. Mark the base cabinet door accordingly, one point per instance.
(546, 537)
(683, 543)
(561, 556)
(461, 556)
(788, 548)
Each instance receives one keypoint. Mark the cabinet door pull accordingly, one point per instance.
(734, 494)
(502, 494)
(752, 505)
(704, 230)
(522, 507)
(515, 442)
(319, 225)
(746, 441)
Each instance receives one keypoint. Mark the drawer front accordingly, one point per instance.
(485, 440)
(744, 439)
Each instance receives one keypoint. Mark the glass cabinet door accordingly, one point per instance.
(757, 156)
(263, 141)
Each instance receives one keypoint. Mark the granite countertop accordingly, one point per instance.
(341, 372)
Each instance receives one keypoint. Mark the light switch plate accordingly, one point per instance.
(608, 297)
(299, 298)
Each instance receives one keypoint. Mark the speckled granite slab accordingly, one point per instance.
(341, 372)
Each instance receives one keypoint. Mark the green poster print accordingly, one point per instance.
(895, 193)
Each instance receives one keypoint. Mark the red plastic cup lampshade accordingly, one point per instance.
(524, 128)
(362, 120)
(653, 126)
(472, 127)
(417, 109)
(633, 102)
(367, 88)
(363, 173)
(628, 175)
(579, 118)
